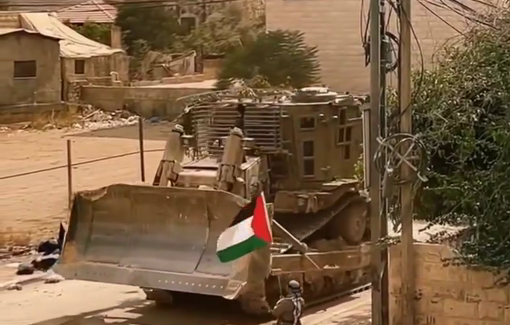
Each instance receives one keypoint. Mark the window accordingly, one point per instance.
(308, 149)
(188, 24)
(309, 167)
(344, 134)
(347, 152)
(307, 123)
(343, 116)
(25, 69)
(79, 66)
(308, 158)
(344, 128)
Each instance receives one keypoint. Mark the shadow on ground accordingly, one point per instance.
(362, 319)
(155, 132)
(208, 311)
(202, 311)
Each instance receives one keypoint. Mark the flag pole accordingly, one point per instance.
(296, 243)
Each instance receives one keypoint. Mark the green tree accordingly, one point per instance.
(462, 110)
(156, 25)
(96, 32)
(280, 58)
(224, 31)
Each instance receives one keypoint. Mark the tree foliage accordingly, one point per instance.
(462, 113)
(224, 31)
(157, 26)
(276, 58)
(96, 32)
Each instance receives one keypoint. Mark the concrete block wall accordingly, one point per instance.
(334, 27)
(448, 295)
(146, 101)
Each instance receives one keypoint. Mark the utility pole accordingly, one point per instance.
(406, 194)
(383, 133)
(374, 177)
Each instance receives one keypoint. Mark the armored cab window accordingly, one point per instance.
(308, 158)
(307, 123)
(344, 136)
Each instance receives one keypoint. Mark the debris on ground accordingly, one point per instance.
(25, 269)
(12, 251)
(92, 118)
(53, 278)
(15, 286)
(87, 118)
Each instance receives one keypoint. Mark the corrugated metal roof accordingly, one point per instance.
(40, 6)
(96, 11)
(72, 44)
(7, 31)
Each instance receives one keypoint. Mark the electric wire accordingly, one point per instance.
(440, 18)
(49, 169)
(33, 8)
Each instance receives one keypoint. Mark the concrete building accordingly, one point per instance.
(77, 59)
(335, 27)
(29, 67)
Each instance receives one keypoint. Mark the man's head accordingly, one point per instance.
(294, 287)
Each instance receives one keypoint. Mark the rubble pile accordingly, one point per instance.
(93, 119)
(89, 118)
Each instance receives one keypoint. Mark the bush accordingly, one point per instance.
(462, 112)
(279, 58)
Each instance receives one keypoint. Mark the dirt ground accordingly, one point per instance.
(33, 205)
(76, 303)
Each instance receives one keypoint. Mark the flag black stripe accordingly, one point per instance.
(246, 212)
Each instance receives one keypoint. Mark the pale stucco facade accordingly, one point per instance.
(334, 27)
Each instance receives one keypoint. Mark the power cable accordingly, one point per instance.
(440, 18)
(43, 170)
(28, 8)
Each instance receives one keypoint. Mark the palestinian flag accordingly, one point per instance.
(250, 230)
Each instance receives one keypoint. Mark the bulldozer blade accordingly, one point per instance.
(153, 237)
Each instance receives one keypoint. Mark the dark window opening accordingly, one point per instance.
(344, 135)
(309, 167)
(347, 152)
(188, 24)
(307, 123)
(343, 117)
(308, 149)
(25, 69)
(348, 134)
(341, 137)
(79, 66)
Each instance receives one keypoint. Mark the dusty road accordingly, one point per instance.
(86, 303)
(33, 205)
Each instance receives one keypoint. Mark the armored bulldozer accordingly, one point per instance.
(299, 148)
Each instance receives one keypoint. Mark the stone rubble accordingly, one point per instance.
(93, 119)
(89, 118)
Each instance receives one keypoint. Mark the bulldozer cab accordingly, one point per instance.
(325, 130)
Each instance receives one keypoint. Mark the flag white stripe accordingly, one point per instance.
(236, 234)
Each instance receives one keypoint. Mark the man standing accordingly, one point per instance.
(288, 310)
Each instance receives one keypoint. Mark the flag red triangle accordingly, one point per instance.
(261, 224)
